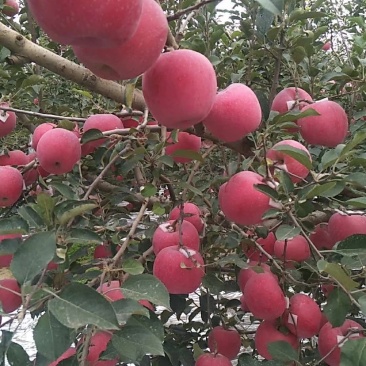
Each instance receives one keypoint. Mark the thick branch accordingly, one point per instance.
(19, 45)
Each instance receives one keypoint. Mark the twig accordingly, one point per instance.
(179, 14)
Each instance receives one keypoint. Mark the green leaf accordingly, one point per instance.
(13, 225)
(64, 189)
(194, 190)
(286, 232)
(83, 93)
(270, 6)
(146, 287)
(67, 210)
(359, 202)
(51, 337)
(31, 216)
(149, 190)
(352, 245)
(337, 307)
(318, 190)
(45, 207)
(188, 154)
(299, 155)
(248, 360)
(125, 308)
(166, 160)
(133, 267)
(353, 352)
(83, 236)
(292, 116)
(213, 283)
(267, 190)
(282, 351)
(362, 302)
(140, 336)
(308, 15)
(358, 138)
(79, 305)
(91, 135)
(17, 356)
(33, 80)
(33, 256)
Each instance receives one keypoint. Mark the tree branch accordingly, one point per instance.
(189, 9)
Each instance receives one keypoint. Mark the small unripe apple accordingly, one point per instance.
(235, 113)
(295, 249)
(267, 244)
(170, 233)
(264, 297)
(11, 186)
(179, 269)
(342, 226)
(210, 359)
(8, 121)
(192, 214)
(288, 97)
(186, 141)
(58, 151)
(11, 8)
(321, 238)
(39, 131)
(10, 298)
(224, 341)
(15, 157)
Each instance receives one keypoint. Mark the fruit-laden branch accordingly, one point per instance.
(19, 45)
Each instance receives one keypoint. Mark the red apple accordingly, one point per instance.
(210, 359)
(134, 57)
(288, 97)
(11, 186)
(185, 142)
(10, 298)
(264, 297)
(31, 175)
(331, 339)
(327, 289)
(180, 269)
(296, 170)
(295, 249)
(243, 304)
(192, 213)
(170, 233)
(235, 113)
(11, 8)
(326, 46)
(254, 269)
(67, 354)
(240, 201)
(303, 317)
(101, 122)
(98, 344)
(15, 157)
(329, 128)
(39, 131)
(224, 341)
(321, 238)
(180, 88)
(267, 333)
(8, 120)
(102, 251)
(5, 259)
(267, 244)
(341, 226)
(58, 150)
(89, 23)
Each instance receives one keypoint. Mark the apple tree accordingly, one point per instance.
(183, 185)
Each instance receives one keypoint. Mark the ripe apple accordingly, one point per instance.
(224, 341)
(303, 317)
(235, 113)
(254, 269)
(180, 269)
(296, 170)
(264, 297)
(89, 23)
(169, 233)
(11, 186)
(10, 298)
(31, 175)
(286, 98)
(327, 289)
(132, 123)
(134, 57)
(102, 251)
(329, 128)
(98, 344)
(331, 338)
(193, 213)
(210, 359)
(186, 141)
(101, 122)
(58, 150)
(67, 354)
(321, 238)
(11, 8)
(39, 131)
(240, 201)
(15, 157)
(295, 249)
(326, 46)
(5, 259)
(8, 120)
(243, 304)
(180, 88)
(267, 244)
(267, 333)
(342, 226)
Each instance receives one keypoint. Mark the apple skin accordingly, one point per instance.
(328, 129)
(297, 249)
(58, 150)
(253, 254)
(224, 341)
(254, 269)
(193, 215)
(167, 235)
(31, 175)
(327, 46)
(101, 122)
(167, 268)
(98, 344)
(235, 113)
(13, 8)
(90, 23)
(243, 304)
(5, 259)
(240, 201)
(15, 157)
(303, 318)
(290, 94)
(267, 332)
(67, 354)
(102, 251)
(39, 131)
(264, 297)
(210, 359)
(296, 170)
(9, 124)
(11, 186)
(321, 237)
(341, 226)
(135, 56)
(132, 123)
(329, 337)
(10, 301)
(186, 141)
(180, 88)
